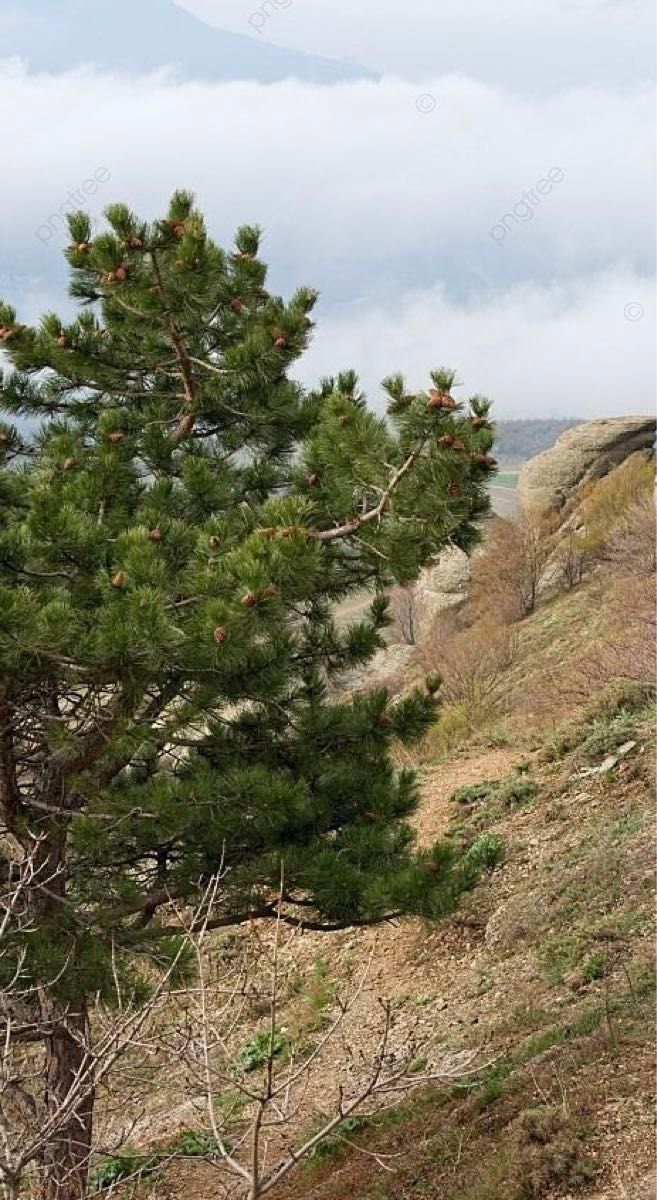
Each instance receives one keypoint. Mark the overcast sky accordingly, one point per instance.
(482, 197)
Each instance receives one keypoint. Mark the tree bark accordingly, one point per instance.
(65, 1162)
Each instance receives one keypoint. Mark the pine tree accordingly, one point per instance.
(179, 520)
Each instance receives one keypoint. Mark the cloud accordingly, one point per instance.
(387, 208)
(541, 45)
(582, 349)
(355, 187)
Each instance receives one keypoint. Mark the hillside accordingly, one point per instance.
(545, 970)
(516, 441)
(61, 35)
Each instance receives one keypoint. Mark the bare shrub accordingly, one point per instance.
(572, 559)
(604, 506)
(471, 661)
(404, 609)
(627, 652)
(631, 545)
(263, 1106)
(506, 578)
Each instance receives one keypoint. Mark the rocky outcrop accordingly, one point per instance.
(583, 453)
(443, 585)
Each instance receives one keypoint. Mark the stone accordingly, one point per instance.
(585, 452)
(441, 586)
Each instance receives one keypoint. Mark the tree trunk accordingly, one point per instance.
(65, 1162)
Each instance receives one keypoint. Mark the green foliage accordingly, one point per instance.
(115, 1168)
(334, 1143)
(487, 1085)
(558, 956)
(193, 1143)
(498, 794)
(484, 855)
(258, 1050)
(470, 793)
(594, 967)
(179, 519)
(231, 1106)
(515, 791)
(552, 1152)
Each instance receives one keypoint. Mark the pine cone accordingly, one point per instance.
(446, 440)
(237, 306)
(249, 599)
(179, 229)
(457, 444)
(62, 340)
(215, 541)
(135, 243)
(219, 635)
(478, 422)
(69, 463)
(121, 273)
(115, 437)
(312, 479)
(343, 420)
(440, 399)
(120, 579)
(155, 535)
(82, 247)
(453, 489)
(270, 591)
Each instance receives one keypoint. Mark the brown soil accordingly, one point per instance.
(506, 974)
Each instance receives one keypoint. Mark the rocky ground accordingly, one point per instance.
(544, 971)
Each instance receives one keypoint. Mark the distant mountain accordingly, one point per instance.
(516, 441)
(143, 35)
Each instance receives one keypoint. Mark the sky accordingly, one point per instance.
(465, 187)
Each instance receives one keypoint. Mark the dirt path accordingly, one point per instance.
(438, 784)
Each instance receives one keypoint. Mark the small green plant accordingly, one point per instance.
(255, 1053)
(522, 767)
(194, 1143)
(594, 967)
(558, 956)
(473, 792)
(484, 855)
(115, 1168)
(551, 1153)
(335, 1141)
(489, 1085)
(231, 1106)
(515, 791)
(321, 989)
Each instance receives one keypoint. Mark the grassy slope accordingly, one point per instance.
(553, 977)
(560, 997)
(546, 967)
